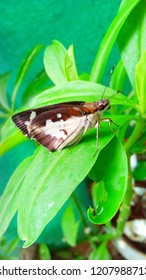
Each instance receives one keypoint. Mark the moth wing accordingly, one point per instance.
(73, 138)
(57, 134)
(53, 126)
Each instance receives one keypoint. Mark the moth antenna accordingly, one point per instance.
(107, 83)
(115, 93)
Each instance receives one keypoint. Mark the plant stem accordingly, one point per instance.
(135, 134)
(104, 237)
(125, 208)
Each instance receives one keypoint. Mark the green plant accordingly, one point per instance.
(44, 181)
(9, 250)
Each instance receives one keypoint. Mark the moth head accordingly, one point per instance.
(103, 104)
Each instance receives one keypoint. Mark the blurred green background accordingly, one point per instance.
(25, 24)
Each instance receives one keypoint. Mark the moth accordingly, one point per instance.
(60, 125)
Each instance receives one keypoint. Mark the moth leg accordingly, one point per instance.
(110, 123)
(97, 135)
(77, 139)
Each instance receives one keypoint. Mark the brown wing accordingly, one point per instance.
(53, 126)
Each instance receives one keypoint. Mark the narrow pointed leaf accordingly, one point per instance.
(35, 86)
(109, 39)
(100, 253)
(12, 141)
(70, 65)
(132, 39)
(4, 79)
(11, 197)
(118, 77)
(54, 62)
(141, 83)
(10, 137)
(70, 226)
(24, 69)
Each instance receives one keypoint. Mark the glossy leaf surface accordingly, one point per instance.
(111, 169)
(132, 39)
(11, 198)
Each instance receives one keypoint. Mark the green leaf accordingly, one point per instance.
(10, 137)
(51, 179)
(139, 172)
(3, 115)
(78, 91)
(100, 253)
(70, 65)
(84, 77)
(12, 141)
(12, 246)
(7, 129)
(59, 63)
(70, 226)
(3, 244)
(132, 39)
(44, 252)
(109, 39)
(140, 145)
(54, 62)
(11, 197)
(24, 69)
(35, 86)
(4, 79)
(99, 193)
(141, 83)
(118, 77)
(111, 169)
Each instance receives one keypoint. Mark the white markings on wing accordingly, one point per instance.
(28, 123)
(62, 129)
(59, 116)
